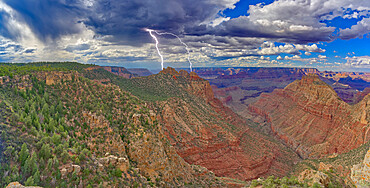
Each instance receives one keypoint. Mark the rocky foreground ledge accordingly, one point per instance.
(360, 174)
(18, 185)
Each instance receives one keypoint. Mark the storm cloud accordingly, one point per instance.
(48, 19)
(114, 30)
(123, 22)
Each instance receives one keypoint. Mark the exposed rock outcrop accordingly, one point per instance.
(171, 71)
(56, 77)
(195, 84)
(142, 149)
(346, 75)
(325, 167)
(121, 163)
(120, 71)
(360, 174)
(361, 95)
(268, 73)
(70, 168)
(140, 71)
(21, 82)
(156, 159)
(206, 133)
(314, 177)
(18, 185)
(309, 108)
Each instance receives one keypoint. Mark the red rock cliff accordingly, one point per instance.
(310, 118)
(206, 133)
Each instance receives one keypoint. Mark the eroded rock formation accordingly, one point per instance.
(360, 174)
(18, 185)
(206, 133)
(309, 108)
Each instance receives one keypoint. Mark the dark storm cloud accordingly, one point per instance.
(116, 21)
(48, 19)
(125, 20)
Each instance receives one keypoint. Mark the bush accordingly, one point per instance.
(255, 183)
(117, 172)
(285, 180)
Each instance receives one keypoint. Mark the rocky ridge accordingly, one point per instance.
(311, 108)
(140, 71)
(128, 143)
(206, 133)
(148, 149)
(119, 71)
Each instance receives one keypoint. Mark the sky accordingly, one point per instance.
(323, 34)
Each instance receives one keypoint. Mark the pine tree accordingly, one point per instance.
(33, 164)
(36, 177)
(23, 154)
(45, 109)
(27, 169)
(56, 139)
(45, 152)
(50, 164)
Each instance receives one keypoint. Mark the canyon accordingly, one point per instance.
(206, 133)
(211, 127)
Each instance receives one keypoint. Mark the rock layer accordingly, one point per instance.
(206, 133)
(309, 108)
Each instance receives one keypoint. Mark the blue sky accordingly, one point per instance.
(325, 34)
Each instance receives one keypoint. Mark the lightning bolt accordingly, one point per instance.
(166, 33)
(183, 43)
(156, 44)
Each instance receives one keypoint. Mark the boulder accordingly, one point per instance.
(70, 168)
(325, 167)
(360, 173)
(18, 185)
(76, 169)
(120, 162)
(314, 176)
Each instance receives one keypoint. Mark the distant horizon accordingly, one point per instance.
(156, 70)
(159, 69)
(331, 36)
